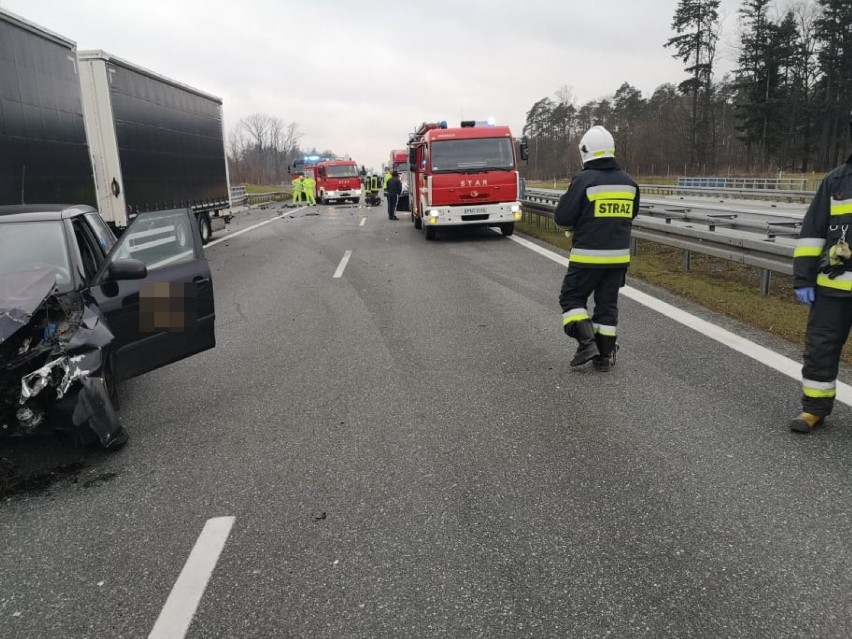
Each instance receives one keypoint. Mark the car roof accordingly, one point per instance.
(41, 212)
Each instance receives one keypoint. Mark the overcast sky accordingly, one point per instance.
(358, 76)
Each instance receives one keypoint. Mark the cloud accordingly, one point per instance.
(359, 76)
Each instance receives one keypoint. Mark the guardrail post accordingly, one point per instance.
(633, 246)
(765, 281)
(687, 260)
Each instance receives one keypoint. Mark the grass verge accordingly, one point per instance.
(721, 286)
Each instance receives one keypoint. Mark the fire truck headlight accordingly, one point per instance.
(517, 215)
(433, 220)
(516, 208)
(434, 213)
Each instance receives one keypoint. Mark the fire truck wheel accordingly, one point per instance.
(418, 222)
(430, 233)
(507, 229)
(204, 227)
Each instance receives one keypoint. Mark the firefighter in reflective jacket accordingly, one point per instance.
(599, 208)
(822, 277)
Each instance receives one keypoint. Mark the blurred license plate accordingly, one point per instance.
(474, 210)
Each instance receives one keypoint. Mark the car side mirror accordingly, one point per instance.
(524, 150)
(127, 269)
(412, 159)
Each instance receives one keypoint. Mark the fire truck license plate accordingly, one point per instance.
(474, 210)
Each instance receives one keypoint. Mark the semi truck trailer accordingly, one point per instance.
(86, 127)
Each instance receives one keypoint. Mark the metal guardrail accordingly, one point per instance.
(239, 197)
(261, 198)
(767, 245)
(764, 184)
(728, 192)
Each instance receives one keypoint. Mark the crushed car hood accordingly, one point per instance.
(20, 296)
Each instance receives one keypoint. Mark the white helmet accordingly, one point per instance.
(597, 143)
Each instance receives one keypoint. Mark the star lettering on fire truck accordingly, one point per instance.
(473, 183)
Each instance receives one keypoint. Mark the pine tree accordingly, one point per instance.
(834, 34)
(696, 23)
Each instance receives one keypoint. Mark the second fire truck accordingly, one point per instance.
(464, 176)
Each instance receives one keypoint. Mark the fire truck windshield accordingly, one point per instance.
(342, 171)
(475, 155)
(400, 166)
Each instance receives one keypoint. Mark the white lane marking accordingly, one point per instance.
(176, 615)
(363, 221)
(770, 358)
(340, 267)
(251, 228)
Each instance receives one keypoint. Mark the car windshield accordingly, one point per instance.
(25, 246)
(482, 154)
(342, 171)
(401, 167)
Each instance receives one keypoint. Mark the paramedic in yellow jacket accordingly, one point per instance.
(308, 186)
(298, 183)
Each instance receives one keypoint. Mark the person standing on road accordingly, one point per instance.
(822, 277)
(298, 182)
(598, 207)
(388, 176)
(308, 186)
(394, 191)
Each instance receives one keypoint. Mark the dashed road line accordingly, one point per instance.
(363, 221)
(176, 615)
(342, 266)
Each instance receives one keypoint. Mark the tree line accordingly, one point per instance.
(262, 149)
(785, 108)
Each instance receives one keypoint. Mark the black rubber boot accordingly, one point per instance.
(607, 348)
(587, 349)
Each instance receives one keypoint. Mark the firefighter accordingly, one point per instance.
(308, 186)
(394, 187)
(598, 208)
(298, 183)
(388, 176)
(822, 277)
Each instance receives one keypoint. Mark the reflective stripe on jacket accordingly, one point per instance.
(828, 217)
(600, 206)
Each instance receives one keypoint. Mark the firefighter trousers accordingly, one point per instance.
(578, 285)
(392, 199)
(828, 327)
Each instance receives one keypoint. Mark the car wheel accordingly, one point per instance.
(507, 229)
(204, 228)
(430, 233)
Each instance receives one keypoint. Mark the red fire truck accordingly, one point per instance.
(337, 180)
(399, 163)
(465, 176)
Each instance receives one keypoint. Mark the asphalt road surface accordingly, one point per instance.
(403, 451)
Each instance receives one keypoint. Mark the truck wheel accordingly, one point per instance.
(418, 222)
(507, 229)
(204, 227)
(430, 233)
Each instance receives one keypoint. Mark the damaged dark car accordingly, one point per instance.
(81, 311)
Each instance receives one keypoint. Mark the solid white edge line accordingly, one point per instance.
(177, 614)
(363, 221)
(251, 228)
(342, 266)
(766, 356)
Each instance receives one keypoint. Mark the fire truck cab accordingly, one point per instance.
(464, 176)
(337, 181)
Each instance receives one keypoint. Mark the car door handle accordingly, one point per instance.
(201, 280)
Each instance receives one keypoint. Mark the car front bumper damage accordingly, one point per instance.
(54, 374)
